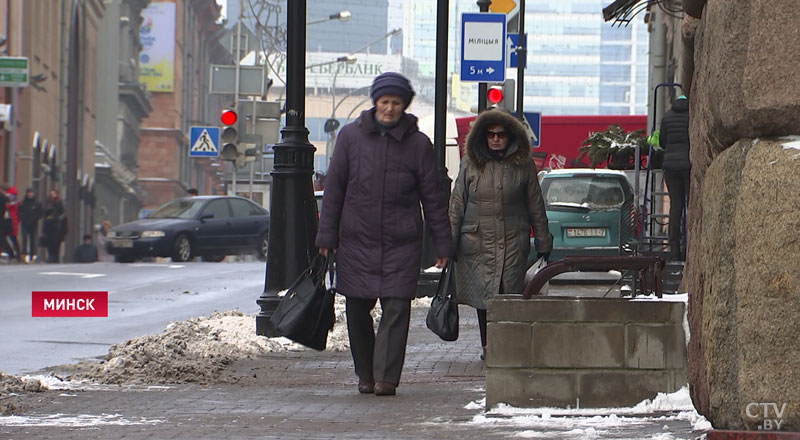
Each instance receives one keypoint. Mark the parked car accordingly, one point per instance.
(206, 226)
(590, 212)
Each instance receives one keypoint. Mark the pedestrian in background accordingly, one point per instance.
(674, 139)
(54, 227)
(5, 225)
(382, 168)
(12, 209)
(191, 192)
(86, 252)
(495, 203)
(30, 212)
(101, 234)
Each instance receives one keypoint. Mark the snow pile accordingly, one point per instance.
(11, 385)
(201, 349)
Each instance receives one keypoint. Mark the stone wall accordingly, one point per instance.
(744, 212)
(587, 352)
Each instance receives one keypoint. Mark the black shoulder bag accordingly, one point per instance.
(442, 317)
(305, 315)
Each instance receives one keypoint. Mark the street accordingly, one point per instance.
(143, 299)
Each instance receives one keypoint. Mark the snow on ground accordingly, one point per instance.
(589, 423)
(81, 420)
(791, 142)
(196, 350)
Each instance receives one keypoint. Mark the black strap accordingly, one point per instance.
(443, 289)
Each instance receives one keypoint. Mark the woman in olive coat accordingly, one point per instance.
(382, 168)
(495, 203)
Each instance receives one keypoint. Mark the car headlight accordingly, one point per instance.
(152, 234)
(111, 234)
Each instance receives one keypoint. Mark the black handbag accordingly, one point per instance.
(442, 317)
(305, 314)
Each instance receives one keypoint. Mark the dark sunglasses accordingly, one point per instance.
(499, 134)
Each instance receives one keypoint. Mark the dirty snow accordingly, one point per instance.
(13, 385)
(200, 349)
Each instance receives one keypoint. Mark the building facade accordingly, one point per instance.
(122, 104)
(181, 39)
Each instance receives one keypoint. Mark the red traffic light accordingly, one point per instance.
(228, 117)
(494, 95)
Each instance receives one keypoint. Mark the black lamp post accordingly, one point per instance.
(293, 221)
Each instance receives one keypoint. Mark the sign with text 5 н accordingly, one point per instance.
(483, 47)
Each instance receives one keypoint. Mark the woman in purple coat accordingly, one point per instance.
(382, 168)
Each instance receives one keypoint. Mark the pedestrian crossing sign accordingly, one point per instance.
(204, 142)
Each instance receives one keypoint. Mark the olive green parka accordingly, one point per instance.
(493, 206)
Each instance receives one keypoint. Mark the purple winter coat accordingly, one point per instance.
(371, 207)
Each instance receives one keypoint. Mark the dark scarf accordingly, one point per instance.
(497, 154)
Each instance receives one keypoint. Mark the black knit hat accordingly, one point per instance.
(392, 83)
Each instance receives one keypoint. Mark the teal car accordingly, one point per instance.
(590, 212)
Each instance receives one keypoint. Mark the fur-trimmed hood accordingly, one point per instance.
(519, 146)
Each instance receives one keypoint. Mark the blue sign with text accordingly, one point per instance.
(483, 47)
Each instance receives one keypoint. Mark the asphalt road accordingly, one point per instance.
(143, 299)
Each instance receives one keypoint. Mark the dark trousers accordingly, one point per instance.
(678, 189)
(5, 245)
(378, 358)
(53, 250)
(28, 239)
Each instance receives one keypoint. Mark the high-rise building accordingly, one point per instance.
(577, 63)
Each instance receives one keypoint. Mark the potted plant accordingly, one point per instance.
(614, 146)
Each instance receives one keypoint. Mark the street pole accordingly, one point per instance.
(72, 200)
(440, 121)
(483, 6)
(440, 95)
(293, 223)
(522, 52)
(237, 62)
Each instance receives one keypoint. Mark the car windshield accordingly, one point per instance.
(586, 191)
(181, 208)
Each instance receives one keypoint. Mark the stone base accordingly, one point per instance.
(717, 434)
(588, 352)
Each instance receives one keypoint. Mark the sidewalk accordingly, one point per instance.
(313, 395)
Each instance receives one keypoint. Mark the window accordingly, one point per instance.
(218, 207)
(593, 191)
(243, 208)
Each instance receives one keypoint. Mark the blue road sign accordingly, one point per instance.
(513, 41)
(203, 141)
(534, 120)
(483, 47)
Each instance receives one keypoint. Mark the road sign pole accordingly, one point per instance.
(483, 6)
(521, 58)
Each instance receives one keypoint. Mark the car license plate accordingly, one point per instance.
(122, 243)
(586, 232)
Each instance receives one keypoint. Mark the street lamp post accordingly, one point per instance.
(293, 222)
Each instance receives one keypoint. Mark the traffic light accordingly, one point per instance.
(501, 95)
(229, 137)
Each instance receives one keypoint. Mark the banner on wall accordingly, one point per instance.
(157, 35)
